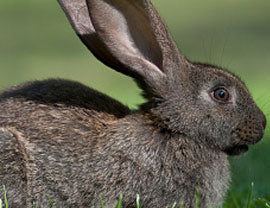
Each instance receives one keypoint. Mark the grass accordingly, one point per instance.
(250, 202)
(246, 200)
(51, 202)
(5, 198)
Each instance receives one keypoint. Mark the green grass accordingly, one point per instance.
(51, 202)
(249, 201)
(246, 200)
(5, 198)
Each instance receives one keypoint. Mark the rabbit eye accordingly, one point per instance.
(221, 95)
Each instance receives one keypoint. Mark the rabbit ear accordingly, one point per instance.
(78, 16)
(127, 35)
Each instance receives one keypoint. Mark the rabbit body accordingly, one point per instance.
(64, 140)
(73, 152)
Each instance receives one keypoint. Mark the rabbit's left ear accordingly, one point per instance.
(135, 34)
(127, 35)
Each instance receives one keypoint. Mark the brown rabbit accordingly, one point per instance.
(61, 139)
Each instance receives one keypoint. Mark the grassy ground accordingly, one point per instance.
(36, 42)
(249, 203)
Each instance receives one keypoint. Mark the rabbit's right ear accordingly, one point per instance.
(127, 35)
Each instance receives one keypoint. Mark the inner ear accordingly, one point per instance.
(141, 32)
(125, 25)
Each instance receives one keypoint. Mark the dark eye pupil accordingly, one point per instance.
(221, 94)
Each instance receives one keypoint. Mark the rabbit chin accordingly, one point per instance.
(236, 150)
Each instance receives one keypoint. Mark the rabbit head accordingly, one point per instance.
(201, 101)
(213, 106)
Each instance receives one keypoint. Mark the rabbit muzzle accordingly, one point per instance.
(249, 132)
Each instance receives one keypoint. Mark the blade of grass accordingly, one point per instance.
(234, 200)
(174, 204)
(50, 201)
(262, 202)
(181, 204)
(119, 205)
(5, 196)
(250, 195)
(197, 194)
(138, 200)
(101, 201)
(0, 203)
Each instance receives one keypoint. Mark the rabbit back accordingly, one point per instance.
(59, 92)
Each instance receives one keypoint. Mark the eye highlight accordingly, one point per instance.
(221, 95)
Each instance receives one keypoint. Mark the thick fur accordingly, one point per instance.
(64, 140)
(73, 151)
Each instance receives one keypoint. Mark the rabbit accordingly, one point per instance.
(65, 141)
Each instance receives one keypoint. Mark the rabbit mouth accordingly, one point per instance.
(236, 150)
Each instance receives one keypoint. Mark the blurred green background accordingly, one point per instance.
(37, 42)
